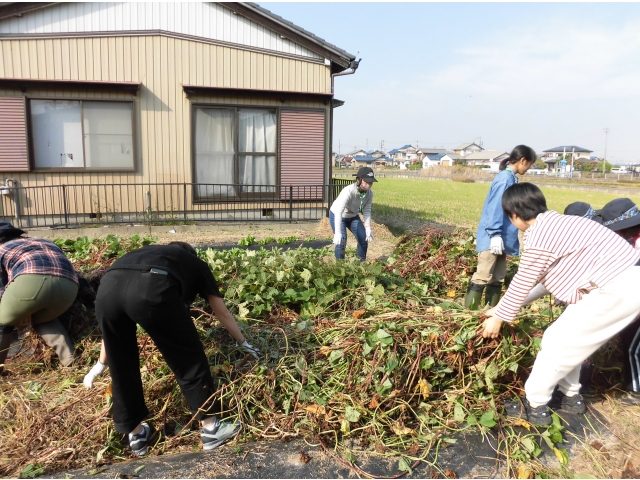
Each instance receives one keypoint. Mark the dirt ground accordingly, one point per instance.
(383, 244)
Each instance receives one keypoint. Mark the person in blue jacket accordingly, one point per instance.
(497, 237)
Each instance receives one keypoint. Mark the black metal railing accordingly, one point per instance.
(151, 203)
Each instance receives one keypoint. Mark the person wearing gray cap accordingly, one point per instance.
(622, 216)
(354, 199)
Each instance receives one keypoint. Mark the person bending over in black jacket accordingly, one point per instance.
(153, 287)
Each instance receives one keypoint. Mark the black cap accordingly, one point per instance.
(6, 227)
(619, 214)
(582, 209)
(366, 174)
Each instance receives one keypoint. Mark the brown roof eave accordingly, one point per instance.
(16, 9)
(281, 95)
(26, 83)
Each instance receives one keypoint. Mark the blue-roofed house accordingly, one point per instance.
(403, 155)
(432, 160)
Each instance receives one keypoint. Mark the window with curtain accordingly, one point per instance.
(235, 151)
(82, 134)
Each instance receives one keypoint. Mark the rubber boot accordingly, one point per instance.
(492, 294)
(6, 335)
(473, 299)
(56, 336)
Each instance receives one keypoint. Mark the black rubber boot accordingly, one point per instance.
(473, 300)
(6, 335)
(492, 294)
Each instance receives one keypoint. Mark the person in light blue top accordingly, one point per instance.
(497, 237)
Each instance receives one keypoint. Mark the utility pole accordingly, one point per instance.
(382, 146)
(606, 137)
(339, 144)
(573, 151)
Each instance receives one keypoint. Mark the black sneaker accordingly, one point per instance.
(573, 405)
(140, 443)
(520, 408)
(218, 434)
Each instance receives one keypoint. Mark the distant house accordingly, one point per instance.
(367, 161)
(579, 152)
(357, 153)
(485, 157)
(376, 153)
(468, 148)
(432, 160)
(406, 153)
(425, 152)
(449, 159)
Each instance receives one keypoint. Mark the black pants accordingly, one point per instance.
(129, 297)
(630, 337)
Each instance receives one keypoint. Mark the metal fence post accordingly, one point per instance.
(184, 199)
(290, 203)
(64, 204)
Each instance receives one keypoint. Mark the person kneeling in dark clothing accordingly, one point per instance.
(153, 287)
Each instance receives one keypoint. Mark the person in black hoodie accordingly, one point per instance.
(153, 287)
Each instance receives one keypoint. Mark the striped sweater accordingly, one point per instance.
(570, 256)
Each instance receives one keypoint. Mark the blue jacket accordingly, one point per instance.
(493, 221)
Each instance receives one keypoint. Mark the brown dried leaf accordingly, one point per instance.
(450, 473)
(374, 403)
(399, 428)
(315, 409)
(358, 314)
(414, 449)
(380, 448)
(304, 458)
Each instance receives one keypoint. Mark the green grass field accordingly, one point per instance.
(404, 204)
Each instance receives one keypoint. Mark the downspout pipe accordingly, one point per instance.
(353, 66)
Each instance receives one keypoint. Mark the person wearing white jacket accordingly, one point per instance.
(345, 213)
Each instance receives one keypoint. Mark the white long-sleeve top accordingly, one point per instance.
(569, 256)
(348, 205)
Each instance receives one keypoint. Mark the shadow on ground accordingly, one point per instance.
(471, 456)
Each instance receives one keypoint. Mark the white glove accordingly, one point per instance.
(95, 372)
(337, 238)
(248, 348)
(497, 245)
(369, 235)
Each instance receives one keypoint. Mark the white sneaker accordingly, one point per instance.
(219, 433)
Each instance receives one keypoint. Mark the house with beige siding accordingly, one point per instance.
(156, 111)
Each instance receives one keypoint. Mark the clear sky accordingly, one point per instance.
(542, 74)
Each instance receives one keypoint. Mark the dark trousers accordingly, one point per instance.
(129, 297)
(630, 338)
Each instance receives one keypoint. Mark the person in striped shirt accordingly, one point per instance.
(585, 265)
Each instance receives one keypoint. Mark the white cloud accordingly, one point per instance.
(553, 63)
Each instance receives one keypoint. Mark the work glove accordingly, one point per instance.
(248, 348)
(369, 235)
(497, 245)
(337, 238)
